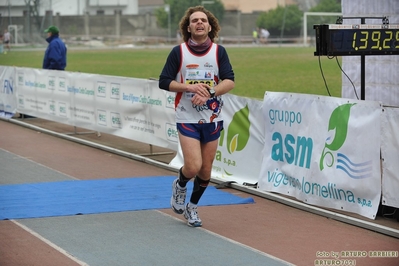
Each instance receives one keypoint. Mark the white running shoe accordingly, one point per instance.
(178, 197)
(191, 214)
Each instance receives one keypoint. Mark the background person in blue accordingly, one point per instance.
(55, 55)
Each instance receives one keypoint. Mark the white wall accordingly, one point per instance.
(15, 8)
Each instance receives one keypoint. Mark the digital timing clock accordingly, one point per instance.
(357, 39)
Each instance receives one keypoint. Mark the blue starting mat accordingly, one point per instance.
(78, 197)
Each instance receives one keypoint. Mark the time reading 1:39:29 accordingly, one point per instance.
(375, 39)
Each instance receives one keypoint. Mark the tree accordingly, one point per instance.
(327, 6)
(178, 8)
(281, 20)
(323, 6)
(34, 12)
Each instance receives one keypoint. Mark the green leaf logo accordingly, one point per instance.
(238, 131)
(339, 122)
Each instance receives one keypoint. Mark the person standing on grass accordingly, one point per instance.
(264, 35)
(6, 40)
(55, 55)
(255, 36)
(199, 71)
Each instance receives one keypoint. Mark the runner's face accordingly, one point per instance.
(199, 26)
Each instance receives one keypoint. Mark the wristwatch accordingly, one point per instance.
(212, 92)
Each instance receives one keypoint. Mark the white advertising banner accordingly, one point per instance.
(390, 156)
(241, 142)
(8, 99)
(322, 150)
(127, 107)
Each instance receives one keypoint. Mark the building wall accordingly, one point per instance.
(245, 6)
(235, 23)
(118, 19)
(16, 8)
(249, 6)
(127, 7)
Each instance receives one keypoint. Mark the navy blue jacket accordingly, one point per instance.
(55, 55)
(173, 61)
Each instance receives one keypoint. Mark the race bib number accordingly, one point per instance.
(206, 81)
(200, 76)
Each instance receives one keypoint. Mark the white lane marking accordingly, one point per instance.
(51, 244)
(34, 162)
(233, 241)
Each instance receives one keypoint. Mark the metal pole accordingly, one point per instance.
(363, 72)
(169, 31)
(51, 14)
(9, 12)
(167, 9)
(283, 25)
(29, 22)
(305, 28)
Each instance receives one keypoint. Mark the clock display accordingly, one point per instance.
(358, 39)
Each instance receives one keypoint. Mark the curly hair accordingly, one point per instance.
(185, 22)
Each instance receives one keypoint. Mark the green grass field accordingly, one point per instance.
(257, 69)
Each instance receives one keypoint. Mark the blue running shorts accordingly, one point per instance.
(206, 132)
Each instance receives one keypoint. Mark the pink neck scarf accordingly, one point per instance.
(199, 47)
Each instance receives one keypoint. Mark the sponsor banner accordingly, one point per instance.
(285, 142)
(389, 154)
(43, 94)
(324, 151)
(127, 107)
(8, 99)
(240, 143)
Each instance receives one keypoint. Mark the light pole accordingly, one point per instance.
(51, 14)
(167, 9)
(9, 12)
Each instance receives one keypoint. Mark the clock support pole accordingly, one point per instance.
(362, 71)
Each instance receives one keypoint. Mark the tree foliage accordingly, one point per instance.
(323, 6)
(327, 6)
(286, 19)
(178, 8)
